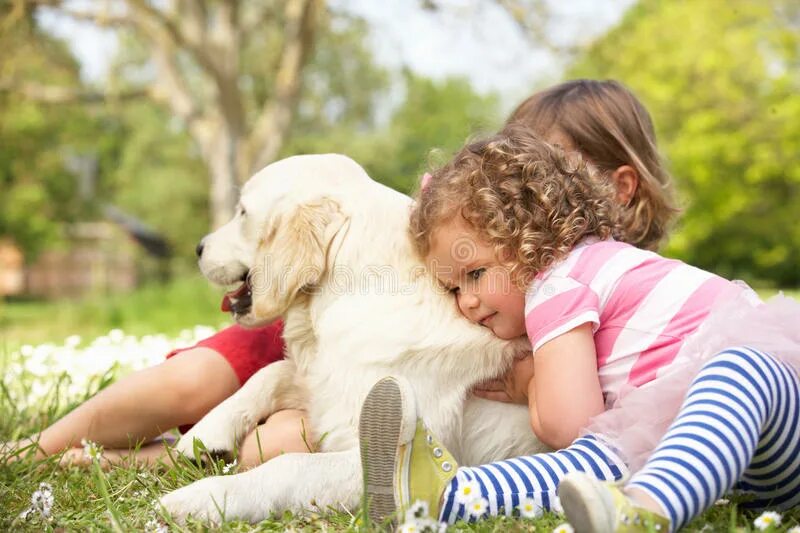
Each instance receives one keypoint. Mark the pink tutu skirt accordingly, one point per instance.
(640, 417)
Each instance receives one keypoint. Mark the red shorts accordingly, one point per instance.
(246, 350)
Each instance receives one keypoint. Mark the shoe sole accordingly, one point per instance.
(584, 506)
(379, 431)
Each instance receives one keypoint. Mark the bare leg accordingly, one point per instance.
(148, 454)
(286, 431)
(143, 405)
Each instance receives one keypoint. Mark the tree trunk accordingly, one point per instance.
(222, 156)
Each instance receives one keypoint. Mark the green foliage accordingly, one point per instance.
(434, 116)
(38, 193)
(721, 80)
(159, 177)
(187, 301)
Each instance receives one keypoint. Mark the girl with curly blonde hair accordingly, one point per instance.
(624, 342)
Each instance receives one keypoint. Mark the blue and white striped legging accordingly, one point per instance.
(737, 429)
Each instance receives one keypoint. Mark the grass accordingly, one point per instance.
(164, 308)
(122, 498)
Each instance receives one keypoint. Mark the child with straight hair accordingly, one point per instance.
(666, 364)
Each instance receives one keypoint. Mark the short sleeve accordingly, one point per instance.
(556, 305)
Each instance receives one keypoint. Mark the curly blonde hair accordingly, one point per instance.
(528, 200)
(610, 127)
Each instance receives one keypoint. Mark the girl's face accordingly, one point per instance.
(482, 286)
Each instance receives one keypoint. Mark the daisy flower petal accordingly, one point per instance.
(767, 519)
(418, 510)
(477, 507)
(409, 527)
(528, 508)
(467, 492)
(563, 528)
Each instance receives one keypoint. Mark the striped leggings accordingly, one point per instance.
(737, 429)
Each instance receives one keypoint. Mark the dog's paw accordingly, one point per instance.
(208, 500)
(215, 444)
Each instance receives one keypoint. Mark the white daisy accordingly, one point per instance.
(467, 492)
(154, 525)
(91, 450)
(528, 508)
(477, 507)
(563, 528)
(429, 525)
(418, 510)
(228, 467)
(41, 503)
(767, 519)
(795, 529)
(722, 501)
(409, 527)
(73, 341)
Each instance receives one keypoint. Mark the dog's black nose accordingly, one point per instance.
(199, 249)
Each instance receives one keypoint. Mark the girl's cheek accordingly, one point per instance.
(457, 298)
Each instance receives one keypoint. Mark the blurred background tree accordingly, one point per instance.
(236, 109)
(202, 92)
(435, 115)
(38, 192)
(721, 79)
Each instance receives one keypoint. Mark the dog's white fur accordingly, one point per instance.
(327, 248)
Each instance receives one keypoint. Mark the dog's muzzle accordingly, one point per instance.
(240, 300)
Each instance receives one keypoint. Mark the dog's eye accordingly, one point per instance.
(242, 211)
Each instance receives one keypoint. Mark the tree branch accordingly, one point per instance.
(171, 87)
(271, 127)
(67, 95)
(167, 28)
(256, 19)
(101, 19)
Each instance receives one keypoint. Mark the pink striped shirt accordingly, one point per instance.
(642, 307)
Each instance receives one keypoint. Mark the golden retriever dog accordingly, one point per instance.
(318, 242)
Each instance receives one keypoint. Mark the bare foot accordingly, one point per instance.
(16, 450)
(148, 455)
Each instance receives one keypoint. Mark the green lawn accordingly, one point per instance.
(122, 499)
(156, 308)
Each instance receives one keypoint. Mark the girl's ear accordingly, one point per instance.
(626, 181)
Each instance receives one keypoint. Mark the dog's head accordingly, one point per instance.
(282, 240)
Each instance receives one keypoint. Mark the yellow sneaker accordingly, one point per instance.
(594, 506)
(403, 463)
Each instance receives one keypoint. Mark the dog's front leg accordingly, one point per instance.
(272, 388)
(492, 431)
(296, 481)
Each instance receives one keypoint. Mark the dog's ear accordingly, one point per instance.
(293, 256)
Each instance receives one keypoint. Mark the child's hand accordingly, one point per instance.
(511, 388)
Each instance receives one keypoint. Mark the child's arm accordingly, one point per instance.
(513, 387)
(565, 390)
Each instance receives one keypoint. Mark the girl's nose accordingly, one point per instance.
(468, 301)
